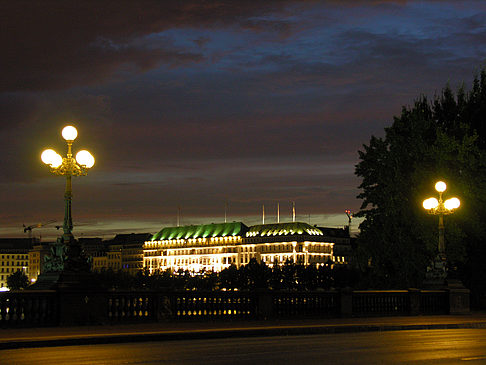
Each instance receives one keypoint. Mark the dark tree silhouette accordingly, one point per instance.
(442, 139)
(17, 281)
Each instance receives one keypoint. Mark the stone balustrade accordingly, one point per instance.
(71, 307)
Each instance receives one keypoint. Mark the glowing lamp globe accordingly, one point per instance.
(440, 186)
(85, 158)
(452, 203)
(47, 156)
(69, 133)
(51, 157)
(430, 203)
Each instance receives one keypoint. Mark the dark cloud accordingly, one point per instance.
(197, 103)
(264, 25)
(54, 45)
(15, 109)
(201, 41)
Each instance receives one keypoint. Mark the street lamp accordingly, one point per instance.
(68, 166)
(441, 208)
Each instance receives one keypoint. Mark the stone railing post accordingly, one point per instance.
(164, 307)
(414, 297)
(458, 297)
(264, 304)
(346, 302)
(79, 307)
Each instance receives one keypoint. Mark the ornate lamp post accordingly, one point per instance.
(440, 208)
(66, 250)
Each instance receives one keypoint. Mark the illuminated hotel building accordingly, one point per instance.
(214, 247)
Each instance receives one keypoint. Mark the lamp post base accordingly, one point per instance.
(65, 280)
(436, 279)
(66, 266)
(436, 275)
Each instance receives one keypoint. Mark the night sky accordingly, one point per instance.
(199, 103)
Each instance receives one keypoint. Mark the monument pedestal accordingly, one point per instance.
(65, 267)
(436, 279)
(80, 299)
(65, 280)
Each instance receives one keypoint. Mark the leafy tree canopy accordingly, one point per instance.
(253, 276)
(439, 139)
(18, 280)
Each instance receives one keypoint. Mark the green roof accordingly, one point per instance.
(283, 229)
(201, 231)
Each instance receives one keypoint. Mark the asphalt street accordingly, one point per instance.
(440, 346)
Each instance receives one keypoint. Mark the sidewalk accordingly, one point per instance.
(168, 331)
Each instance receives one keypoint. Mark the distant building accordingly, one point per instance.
(102, 256)
(114, 257)
(14, 256)
(36, 260)
(128, 249)
(109, 259)
(123, 252)
(99, 262)
(342, 251)
(92, 246)
(94, 249)
(214, 247)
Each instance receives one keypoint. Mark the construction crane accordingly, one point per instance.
(38, 225)
(58, 227)
(350, 216)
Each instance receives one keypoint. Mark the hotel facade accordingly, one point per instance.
(214, 247)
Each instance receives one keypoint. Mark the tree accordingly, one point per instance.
(443, 139)
(229, 278)
(17, 281)
(308, 277)
(325, 276)
(289, 275)
(259, 274)
(276, 277)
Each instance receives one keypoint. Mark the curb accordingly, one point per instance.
(226, 333)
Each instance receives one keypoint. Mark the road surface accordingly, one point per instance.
(450, 346)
